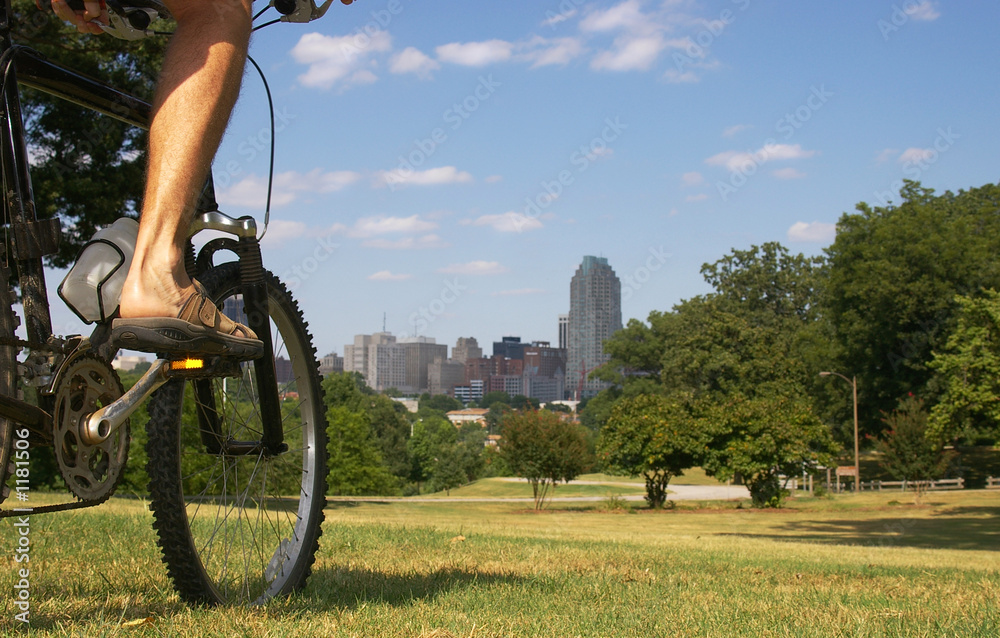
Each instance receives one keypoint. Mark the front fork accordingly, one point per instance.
(253, 287)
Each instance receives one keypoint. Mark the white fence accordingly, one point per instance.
(902, 486)
(993, 483)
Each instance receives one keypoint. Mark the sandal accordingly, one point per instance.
(198, 329)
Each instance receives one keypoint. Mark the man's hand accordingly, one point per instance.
(85, 21)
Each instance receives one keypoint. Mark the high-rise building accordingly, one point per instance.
(563, 332)
(466, 348)
(386, 363)
(420, 354)
(356, 355)
(509, 347)
(444, 375)
(595, 313)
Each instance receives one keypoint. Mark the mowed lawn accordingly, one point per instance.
(868, 565)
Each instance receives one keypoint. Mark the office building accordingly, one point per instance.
(595, 314)
(420, 353)
(466, 348)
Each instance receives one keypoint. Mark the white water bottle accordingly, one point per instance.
(93, 287)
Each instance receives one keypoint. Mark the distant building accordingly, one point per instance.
(509, 347)
(331, 363)
(356, 355)
(386, 363)
(595, 314)
(563, 332)
(468, 415)
(127, 363)
(466, 348)
(420, 353)
(444, 374)
(471, 391)
(283, 370)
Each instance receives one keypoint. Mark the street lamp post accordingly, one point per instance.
(854, 386)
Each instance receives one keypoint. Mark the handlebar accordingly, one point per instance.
(130, 19)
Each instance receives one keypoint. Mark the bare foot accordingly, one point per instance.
(153, 292)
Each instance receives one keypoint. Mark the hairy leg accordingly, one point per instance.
(197, 89)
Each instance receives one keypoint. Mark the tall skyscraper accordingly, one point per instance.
(595, 313)
(563, 332)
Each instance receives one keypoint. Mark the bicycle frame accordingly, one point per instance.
(31, 239)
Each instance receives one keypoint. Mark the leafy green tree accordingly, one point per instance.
(968, 370)
(544, 449)
(521, 402)
(653, 437)
(491, 398)
(440, 402)
(355, 461)
(88, 168)
(756, 439)
(894, 273)
(907, 452)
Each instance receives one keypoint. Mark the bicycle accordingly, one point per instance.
(237, 456)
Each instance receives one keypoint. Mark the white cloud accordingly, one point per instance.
(733, 130)
(558, 18)
(386, 275)
(475, 53)
(816, 232)
(886, 154)
(429, 177)
(412, 60)
(626, 15)
(340, 60)
(382, 225)
(693, 178)
(696, 198)
(407, 243)
(512, 222)
(924, 11)
(545, 52)
(251, 191)
(281, 230)
(916, 155)
(789, 173)
(630, 54)
(474, 268)
(741, 160)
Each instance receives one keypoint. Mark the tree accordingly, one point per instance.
(355, 463)
(968, 371)
(894, 273)
(651, 436)
(759, 438)
(908, 453)
(521, 402)
(490, 398)
(542, 448)
(88, 169)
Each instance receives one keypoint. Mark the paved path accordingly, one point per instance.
(677, 493)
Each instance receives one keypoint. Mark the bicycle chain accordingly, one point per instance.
(58, 507)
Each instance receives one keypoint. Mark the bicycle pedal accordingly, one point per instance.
(204, 367)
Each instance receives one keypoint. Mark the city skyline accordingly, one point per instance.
(446, 164)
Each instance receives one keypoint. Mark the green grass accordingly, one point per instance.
(846, 566)
(517, 488)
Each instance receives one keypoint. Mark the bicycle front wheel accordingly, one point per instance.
(237, 527)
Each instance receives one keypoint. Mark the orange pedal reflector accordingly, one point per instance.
(187, 364)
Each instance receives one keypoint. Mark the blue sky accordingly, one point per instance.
(449, 163)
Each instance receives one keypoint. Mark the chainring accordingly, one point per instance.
(91, 472)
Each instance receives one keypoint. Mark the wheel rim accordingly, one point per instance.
(249, 515)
